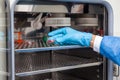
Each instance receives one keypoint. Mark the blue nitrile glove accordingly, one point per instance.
(68, 35)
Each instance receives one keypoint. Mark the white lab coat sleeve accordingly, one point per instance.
(109, 47)
(97, 42)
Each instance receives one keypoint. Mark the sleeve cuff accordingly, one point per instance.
(96, 44)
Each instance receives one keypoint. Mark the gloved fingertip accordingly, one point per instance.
(50, 34)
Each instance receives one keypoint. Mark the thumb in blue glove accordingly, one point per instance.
(67, 35)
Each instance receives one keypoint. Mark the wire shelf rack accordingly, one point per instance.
(38, 63)
(35, 45)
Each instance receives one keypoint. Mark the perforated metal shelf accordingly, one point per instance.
(36, 45)
(31, 64)
(50, 76)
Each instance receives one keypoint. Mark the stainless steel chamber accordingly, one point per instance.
(34, 59)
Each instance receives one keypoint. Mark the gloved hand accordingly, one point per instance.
(68, 35)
